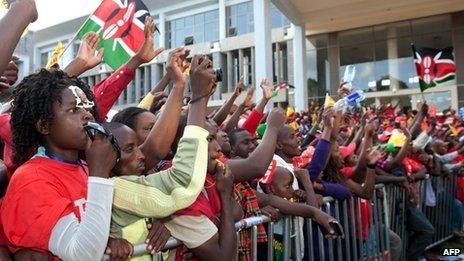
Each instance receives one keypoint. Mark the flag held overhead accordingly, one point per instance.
(120, 26)
(434, 66)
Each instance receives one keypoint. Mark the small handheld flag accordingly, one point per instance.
(120, 26)
(55, 58)
(434, 66)
(329, 101)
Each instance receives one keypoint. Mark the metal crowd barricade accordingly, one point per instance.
(352, 247)
(439, 215)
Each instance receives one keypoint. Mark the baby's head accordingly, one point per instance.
(279, 183)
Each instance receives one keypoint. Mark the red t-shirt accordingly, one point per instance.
(41, 192)
(7, 137)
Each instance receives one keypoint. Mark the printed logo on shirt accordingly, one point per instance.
(80, 203)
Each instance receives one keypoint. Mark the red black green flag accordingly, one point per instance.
(434, 66)
(120, 25)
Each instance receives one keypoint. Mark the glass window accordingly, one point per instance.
(393, 30)
(431, 24)
(203, 27)
(356, 36)
(318, 73)
(277, 18)
(240, 17)
(362, 56)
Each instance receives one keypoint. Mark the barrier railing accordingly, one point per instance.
(366, 225)
(436, 202)
(349, 248)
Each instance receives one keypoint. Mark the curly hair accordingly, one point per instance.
(32, 101)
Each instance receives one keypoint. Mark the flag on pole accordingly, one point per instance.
(120, 25)
(55, 58)
(329, 101)
(434, 66)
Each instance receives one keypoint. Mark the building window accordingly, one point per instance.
(203, 27)
(278, 19)
(383, 56)
(240, 19)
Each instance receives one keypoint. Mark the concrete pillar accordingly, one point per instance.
(230, 73)
(252, 61)
(222, 19)
(218, 63)
(138, 83)
(333, 55)
(299, 66)
(393, 63)
(162, 28)
(146, 80)
(240, 62)
(263, 43)
(156, 75)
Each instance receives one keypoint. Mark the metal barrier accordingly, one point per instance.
(373, 244)
(366, 225)
(439, 214)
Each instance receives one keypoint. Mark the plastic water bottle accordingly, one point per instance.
(461, 112)
(348, 76)
(350, 101)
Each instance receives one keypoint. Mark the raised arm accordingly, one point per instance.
(159, 141)
(12, 25)
(257, 163)
(365, 188)
(359, 173)
(87, 55)
(401, 154)
(220, 116)
(233, 121)
(161, 194)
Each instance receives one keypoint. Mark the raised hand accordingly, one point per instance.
(9, 76)
(370, 128)
(276, 118)
(267, 89)
(373, 156)
(202, 77)
(148, 51)
(86, 53)
(174, 65)
(249, 97)
(327, 117)
(31, 7)
(239, 88)
(343, 91)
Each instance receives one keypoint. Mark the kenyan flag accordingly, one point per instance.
(434, 66)
(120, 25)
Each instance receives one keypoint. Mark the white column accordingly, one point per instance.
(240, 63)
(230, 75)
(263, 44)
(162, 28)
(299, 68)
(222, 19)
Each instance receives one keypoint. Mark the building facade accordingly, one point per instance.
(287, 42)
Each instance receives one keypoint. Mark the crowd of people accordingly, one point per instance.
(167, 168)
